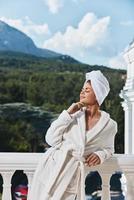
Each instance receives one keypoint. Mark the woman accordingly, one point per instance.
(82, 135)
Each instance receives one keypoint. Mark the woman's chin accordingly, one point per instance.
(82, 99)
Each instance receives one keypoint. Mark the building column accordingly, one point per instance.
(128, 105)
(128, 126)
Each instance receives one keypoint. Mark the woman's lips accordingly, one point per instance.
(82, 97)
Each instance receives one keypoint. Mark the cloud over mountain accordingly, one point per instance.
(27, 26)
(89, 33)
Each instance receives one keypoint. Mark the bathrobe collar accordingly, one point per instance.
(105, 117)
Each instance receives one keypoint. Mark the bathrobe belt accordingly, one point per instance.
(76, 157)
(81, 160)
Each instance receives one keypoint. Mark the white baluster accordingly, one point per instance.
(105, 186)
(7, 176)
(130, 185)
(29, 177)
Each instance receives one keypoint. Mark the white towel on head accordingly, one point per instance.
(99, 84)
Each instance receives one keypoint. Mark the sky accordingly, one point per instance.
(91, 31)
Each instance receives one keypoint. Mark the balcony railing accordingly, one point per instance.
(10, 162)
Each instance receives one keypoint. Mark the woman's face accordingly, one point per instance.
(87, 94)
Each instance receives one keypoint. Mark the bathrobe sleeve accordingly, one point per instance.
(107, 149)
(55, 132)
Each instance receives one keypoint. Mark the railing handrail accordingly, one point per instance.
(10, 162)
(22, 161)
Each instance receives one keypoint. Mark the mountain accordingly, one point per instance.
(11, 39)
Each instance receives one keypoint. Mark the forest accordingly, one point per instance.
(33, 92)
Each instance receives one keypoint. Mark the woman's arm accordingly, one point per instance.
(105, 152)
(55, 131)
(108, 149)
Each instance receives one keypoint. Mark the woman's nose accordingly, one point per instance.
(82, 92)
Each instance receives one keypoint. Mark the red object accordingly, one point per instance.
(20, 192)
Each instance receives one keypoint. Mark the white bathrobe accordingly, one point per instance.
(65, 159)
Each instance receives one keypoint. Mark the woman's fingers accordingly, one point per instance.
(81, 104)
(93, 163)
(90, 157)
(92, 160)
(75, 107)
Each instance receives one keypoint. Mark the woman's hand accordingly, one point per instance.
(92, 160)
(75, 107)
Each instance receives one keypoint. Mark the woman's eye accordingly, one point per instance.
(85, 90)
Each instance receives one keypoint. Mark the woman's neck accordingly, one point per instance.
(93, 111)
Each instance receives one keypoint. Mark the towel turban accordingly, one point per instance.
(99, 84)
